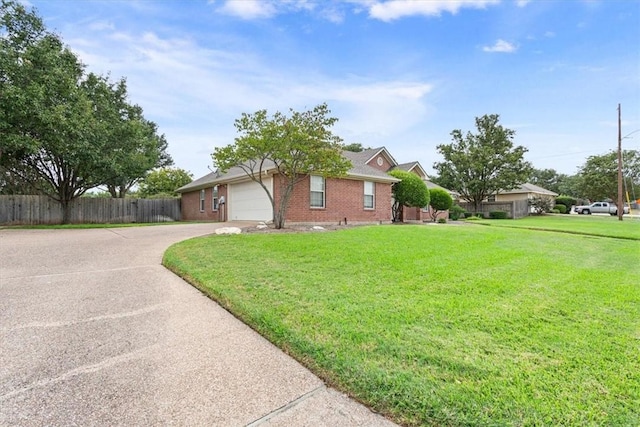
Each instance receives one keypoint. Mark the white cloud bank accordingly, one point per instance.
(501, 46)
(396, 9)
(334, 11)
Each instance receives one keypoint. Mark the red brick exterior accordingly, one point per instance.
(190, 205)
(344, 199)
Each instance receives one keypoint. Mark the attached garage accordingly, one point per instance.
(247, 201)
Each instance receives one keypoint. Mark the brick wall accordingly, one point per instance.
(191, 205)
(344, 198)
(385, 166)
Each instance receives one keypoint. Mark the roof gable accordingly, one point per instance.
(529, 188)
(414, 167)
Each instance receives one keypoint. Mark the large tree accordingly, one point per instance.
(46, 116)
(135, 146)
(410, 191)
(62, 132)
(599, 175)
(482, 164)
(296, 146)
(548, 179)
(164, 182)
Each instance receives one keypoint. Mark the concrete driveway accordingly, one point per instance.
(94, 331)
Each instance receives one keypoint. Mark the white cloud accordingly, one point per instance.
(101, 26)
(395, 9)
(195, 93)
(522, 3)
(501, 46)
(264, 9)
(248, 9)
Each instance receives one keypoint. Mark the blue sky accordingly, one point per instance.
(397, 73)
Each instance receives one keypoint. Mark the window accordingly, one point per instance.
(491, 198)
(214, 198)
(317, 191)
(369, 194)
(201, 200)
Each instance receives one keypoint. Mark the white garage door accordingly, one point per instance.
(248, 202)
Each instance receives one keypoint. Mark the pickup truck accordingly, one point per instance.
(600, 207)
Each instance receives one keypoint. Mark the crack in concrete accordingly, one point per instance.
(286, 407)
(107, 363)
(114, 316)
(106, 270)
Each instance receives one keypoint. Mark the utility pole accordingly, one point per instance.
(620, 202)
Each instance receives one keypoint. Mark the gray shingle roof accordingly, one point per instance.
(529, 188)
(359, 170)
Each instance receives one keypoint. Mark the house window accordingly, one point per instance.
(214, 198)
(201, 200)
(491, 198)
(317, 191)
(369, 194)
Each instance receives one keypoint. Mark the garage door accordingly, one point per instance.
(248, 201)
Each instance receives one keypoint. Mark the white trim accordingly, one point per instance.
(372, 195)
(323, 191)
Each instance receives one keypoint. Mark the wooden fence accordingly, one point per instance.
(34, 210)
(514, 208)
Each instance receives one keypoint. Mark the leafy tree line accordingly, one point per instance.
(64, 131)
(478, 165)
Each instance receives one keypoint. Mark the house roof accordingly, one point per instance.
(365, 156)
(359, 170)
(529, 188)
(431, 185)
(408, 167)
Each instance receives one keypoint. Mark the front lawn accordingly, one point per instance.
(595, 225)
(443, 324)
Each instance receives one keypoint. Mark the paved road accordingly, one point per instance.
(94, 331)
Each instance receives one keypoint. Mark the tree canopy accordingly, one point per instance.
(440, 200)
(410, 191)
(548, 179)
(355, 147)
(481, 164)
(296, 146)
(163, 182)
(62, 131)
(599, 175)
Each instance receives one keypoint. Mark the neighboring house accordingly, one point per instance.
(524, 192)
(520, 197)
(363, 195)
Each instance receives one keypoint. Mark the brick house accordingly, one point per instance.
(362, 196)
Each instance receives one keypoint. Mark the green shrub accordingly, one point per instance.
(556, 210)
(456, 212)
(498, 215)
(473, 218)
(442, 220)
(479, 214)
(469, 214)
(559, 209)
(566, 201)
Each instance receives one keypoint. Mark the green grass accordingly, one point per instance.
(443, 325)
(594, 225)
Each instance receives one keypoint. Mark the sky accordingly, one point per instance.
(396, 73)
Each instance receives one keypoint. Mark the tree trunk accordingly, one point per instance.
(66, 211)
(396, 212)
